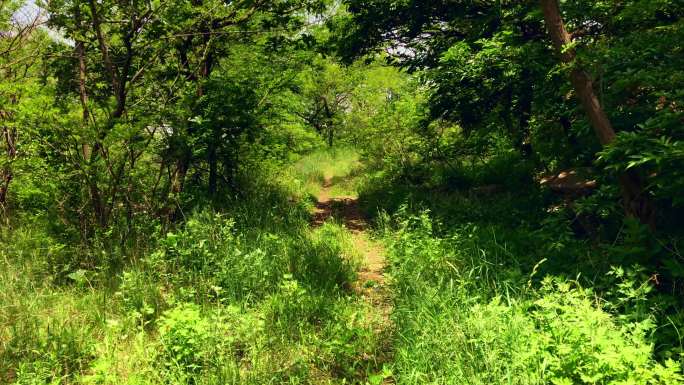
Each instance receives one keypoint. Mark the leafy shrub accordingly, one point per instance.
(217, 261)
(185, 336)
(209, 254)
(355, 342)
(582, 344)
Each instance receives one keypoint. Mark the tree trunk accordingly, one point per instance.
(82, 91)
(329, 125)
(87, 153)
(106, 59)
(98, 206)
(636, 204)
(331, 136)
(6, 174)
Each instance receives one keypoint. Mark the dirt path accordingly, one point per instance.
(346, 209)
(371, 282)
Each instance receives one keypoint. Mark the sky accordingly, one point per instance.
(27, 13)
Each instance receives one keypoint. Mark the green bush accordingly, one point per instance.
(580, 343)
(185, 337)
(215, 260)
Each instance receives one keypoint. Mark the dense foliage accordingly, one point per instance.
(164, 165)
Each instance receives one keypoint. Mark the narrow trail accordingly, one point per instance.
(371, 281)
(346, 209)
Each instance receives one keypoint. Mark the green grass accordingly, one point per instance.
(466, 313)
(251, 295)
(492, 288)
(341, 166)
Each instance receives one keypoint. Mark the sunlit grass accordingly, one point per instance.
(338, 166)
(299, 322)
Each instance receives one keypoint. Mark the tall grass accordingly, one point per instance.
(340, 166)
(466, 314)
(247, 295)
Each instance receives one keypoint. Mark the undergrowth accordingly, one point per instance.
(487, 288)
(465, 314)
(340, 166)
(498, 281)
(246, 295)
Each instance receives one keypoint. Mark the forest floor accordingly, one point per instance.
(345, 208)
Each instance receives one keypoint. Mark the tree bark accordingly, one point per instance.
(636, 203)
(86, 149)
(106, 59)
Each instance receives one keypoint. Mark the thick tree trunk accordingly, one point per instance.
(636, 204)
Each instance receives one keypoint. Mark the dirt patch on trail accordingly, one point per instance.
(345, 208)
